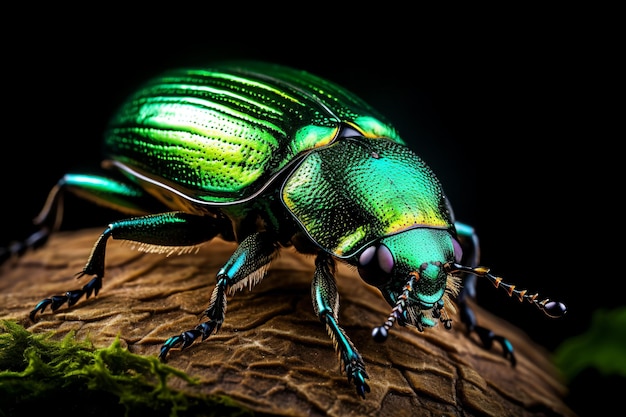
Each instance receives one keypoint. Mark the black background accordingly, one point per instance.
(510, 113)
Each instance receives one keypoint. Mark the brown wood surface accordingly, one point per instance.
(272, 353)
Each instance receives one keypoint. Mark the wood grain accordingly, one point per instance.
(272, 353)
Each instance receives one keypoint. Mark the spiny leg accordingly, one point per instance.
(172, 231)
(246, 267)
(326, 305)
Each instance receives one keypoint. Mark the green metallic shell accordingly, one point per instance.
(219, 135)
(356, 191)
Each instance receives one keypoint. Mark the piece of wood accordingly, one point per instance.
(272, 353)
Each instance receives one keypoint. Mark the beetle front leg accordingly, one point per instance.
(471, 248)
(486, 336)
(326, 305)
(246, 267)
(167, 231)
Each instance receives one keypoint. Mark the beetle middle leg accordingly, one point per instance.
(168, 231)
(246, 267)
(326, 305)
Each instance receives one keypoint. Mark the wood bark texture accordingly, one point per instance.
(272, 354)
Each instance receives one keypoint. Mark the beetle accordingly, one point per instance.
(270, 157)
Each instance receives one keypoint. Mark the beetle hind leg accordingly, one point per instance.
(246, 267)
(173, 229)
(326, 305)
(119, 195)
(48, 220)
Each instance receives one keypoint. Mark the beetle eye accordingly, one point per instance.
(458, 251)
(385, 258)
(367, 256)
(377, 272)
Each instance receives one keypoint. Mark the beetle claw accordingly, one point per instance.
(186, 338)
(361, 389)
(356, 373)
(170, 343)
(39, 308)
(70, 297)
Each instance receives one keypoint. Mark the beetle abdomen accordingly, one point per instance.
(220, 134)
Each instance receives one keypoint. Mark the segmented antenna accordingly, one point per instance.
(550, 308)
(380, 333)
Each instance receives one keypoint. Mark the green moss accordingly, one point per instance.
(40, 376)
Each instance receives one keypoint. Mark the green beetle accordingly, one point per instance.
(270, 156)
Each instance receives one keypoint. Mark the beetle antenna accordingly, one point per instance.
(550, 308)
(398, 313)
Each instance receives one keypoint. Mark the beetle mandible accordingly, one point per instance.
(269, 156)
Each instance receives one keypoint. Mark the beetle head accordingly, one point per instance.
(408, 268)
(414, 271)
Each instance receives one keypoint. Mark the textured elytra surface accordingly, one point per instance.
(272, 353)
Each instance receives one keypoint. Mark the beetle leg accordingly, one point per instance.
(123, 196)
(169, 231)
(246, 267)
(48, 221)
(326, 305)
(471, 249)
(471, 256)
(486, 336)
